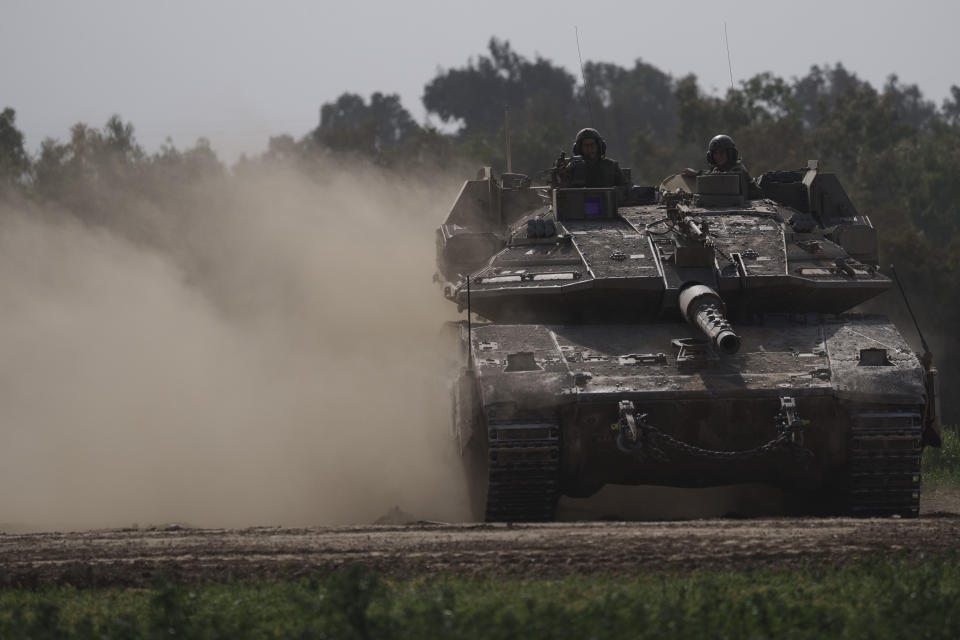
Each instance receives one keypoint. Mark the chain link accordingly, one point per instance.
(650, 442)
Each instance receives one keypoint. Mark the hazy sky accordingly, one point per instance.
(238, 72)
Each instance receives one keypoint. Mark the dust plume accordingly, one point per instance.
(254, 350)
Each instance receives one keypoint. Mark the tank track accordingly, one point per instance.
(524, 470)
(884, 477)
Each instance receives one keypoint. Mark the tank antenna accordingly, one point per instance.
(469, 330)
(903, 293)
(506, 126)
(583, 76)
(729, 64)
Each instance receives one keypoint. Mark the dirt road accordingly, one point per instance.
(136, 556)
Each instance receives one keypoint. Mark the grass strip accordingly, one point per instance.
(874, 598)
(941, 467)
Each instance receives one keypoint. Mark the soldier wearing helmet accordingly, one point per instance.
(589, 166)
(723, 157)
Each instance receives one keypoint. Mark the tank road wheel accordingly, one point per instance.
(884, 472)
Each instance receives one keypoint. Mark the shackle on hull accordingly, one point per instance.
(703, 308)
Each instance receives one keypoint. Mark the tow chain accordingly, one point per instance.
(639, 438)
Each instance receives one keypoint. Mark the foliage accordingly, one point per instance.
(622, 101)
(374, 129)
(873, 598)
(477, 95)
(539, 95)
(941, 467)
(14, 162)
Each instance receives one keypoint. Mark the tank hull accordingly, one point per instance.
(541, 412)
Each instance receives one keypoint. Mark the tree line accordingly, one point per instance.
(895, 150)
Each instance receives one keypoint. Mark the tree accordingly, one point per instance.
(14, 162)
(475, 96)
(373, 130)
(544, 113)
(820, 87)
(625, 101)
(951, 106)
(910, 104)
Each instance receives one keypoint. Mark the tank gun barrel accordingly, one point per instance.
(704, 309)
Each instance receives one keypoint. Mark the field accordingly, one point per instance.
(872, 598)
(766, 577)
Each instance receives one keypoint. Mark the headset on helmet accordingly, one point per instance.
(722, 141)
(589, 133)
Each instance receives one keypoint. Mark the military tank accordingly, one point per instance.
(686, 335)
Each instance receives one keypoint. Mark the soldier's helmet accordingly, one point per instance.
(589, 133)
(722, 141)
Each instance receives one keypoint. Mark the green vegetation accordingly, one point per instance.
(875, 598)
(941, 467)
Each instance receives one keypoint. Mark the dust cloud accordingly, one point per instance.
(258, 350)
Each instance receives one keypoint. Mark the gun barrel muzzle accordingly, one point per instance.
(692, 227)
(703, 308)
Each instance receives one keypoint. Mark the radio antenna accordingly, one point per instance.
(729, 65)
(583, 76)
(916, 324)
(506, 128)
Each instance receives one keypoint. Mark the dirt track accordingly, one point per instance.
(135, 557)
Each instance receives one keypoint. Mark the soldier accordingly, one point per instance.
(723, 157)
(589, 166)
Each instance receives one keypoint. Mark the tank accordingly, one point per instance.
(688, 335)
